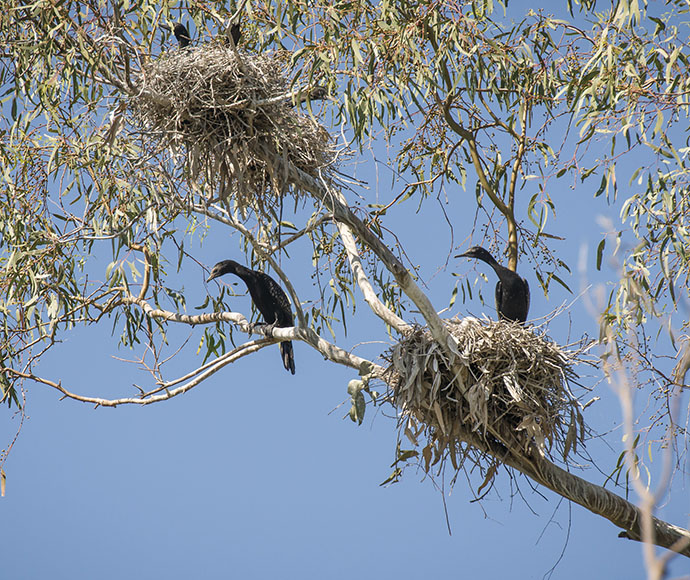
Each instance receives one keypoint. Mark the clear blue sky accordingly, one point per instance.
(252, 476)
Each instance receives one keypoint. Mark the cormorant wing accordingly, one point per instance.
(499, 299)
(527, 297)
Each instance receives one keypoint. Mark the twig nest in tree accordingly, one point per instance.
(233, 115)
(509, 386)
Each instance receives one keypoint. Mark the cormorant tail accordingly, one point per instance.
(288, 356)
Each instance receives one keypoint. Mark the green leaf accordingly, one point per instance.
(392, 478)
(453, 295)
(404, 455)
(365, 369)
(204, 305)
(358, 408)
(600, 252)
(354, 386)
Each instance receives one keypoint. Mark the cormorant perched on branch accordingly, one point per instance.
(268, 297)
(181, 33)
(512, 291)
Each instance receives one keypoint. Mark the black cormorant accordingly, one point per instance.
(181, 33)
(512, 291)
(235, 33)
(268, 297)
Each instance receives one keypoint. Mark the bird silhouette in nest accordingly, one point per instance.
(512, 291)
(181, 33)
(235, 33)
(269, 299)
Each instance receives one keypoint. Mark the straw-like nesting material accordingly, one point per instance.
(232, 114)
(511, 388)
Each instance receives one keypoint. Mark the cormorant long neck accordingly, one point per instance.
(232, 267)
(487, 258)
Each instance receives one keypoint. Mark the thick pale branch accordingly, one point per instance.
(377, 307)
(592, 497)
(327, 349)
(601, 501)
(335, 203)
(331, 351)
(192, 320)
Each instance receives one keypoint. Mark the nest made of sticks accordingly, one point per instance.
(511, 388)
(233, 115)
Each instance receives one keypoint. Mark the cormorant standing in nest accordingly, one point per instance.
(181, 33)
(268, 297)
(512, 291)
(235, 33)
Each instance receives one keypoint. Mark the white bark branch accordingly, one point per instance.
(222, 361)
(370, 296)
(592, 497)
(334, 201)
(192, 320)
(328, 350)
(193, 378)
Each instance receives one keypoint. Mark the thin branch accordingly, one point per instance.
(510, 218)
(310, 227)
(468, 136)
(221, 362)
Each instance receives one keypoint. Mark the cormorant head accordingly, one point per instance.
(479, 253)
(224, 267)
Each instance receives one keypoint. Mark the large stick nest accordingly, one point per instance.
(511, 389)
(233, 115)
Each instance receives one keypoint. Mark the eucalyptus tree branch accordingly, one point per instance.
(304, 94)
(605, 503)
(336, 204)
(370, 297)
(508, 210)
(197, 376)
(192, 320)
(476, 161)
(92, 45)
(222, 361)
(592, 497)
(521, 139)
(147, 269)
(310, 227)
(332, 352)
(512, 226)
(496, 119)
(305, 334)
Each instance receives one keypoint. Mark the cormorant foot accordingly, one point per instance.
(264, 328)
